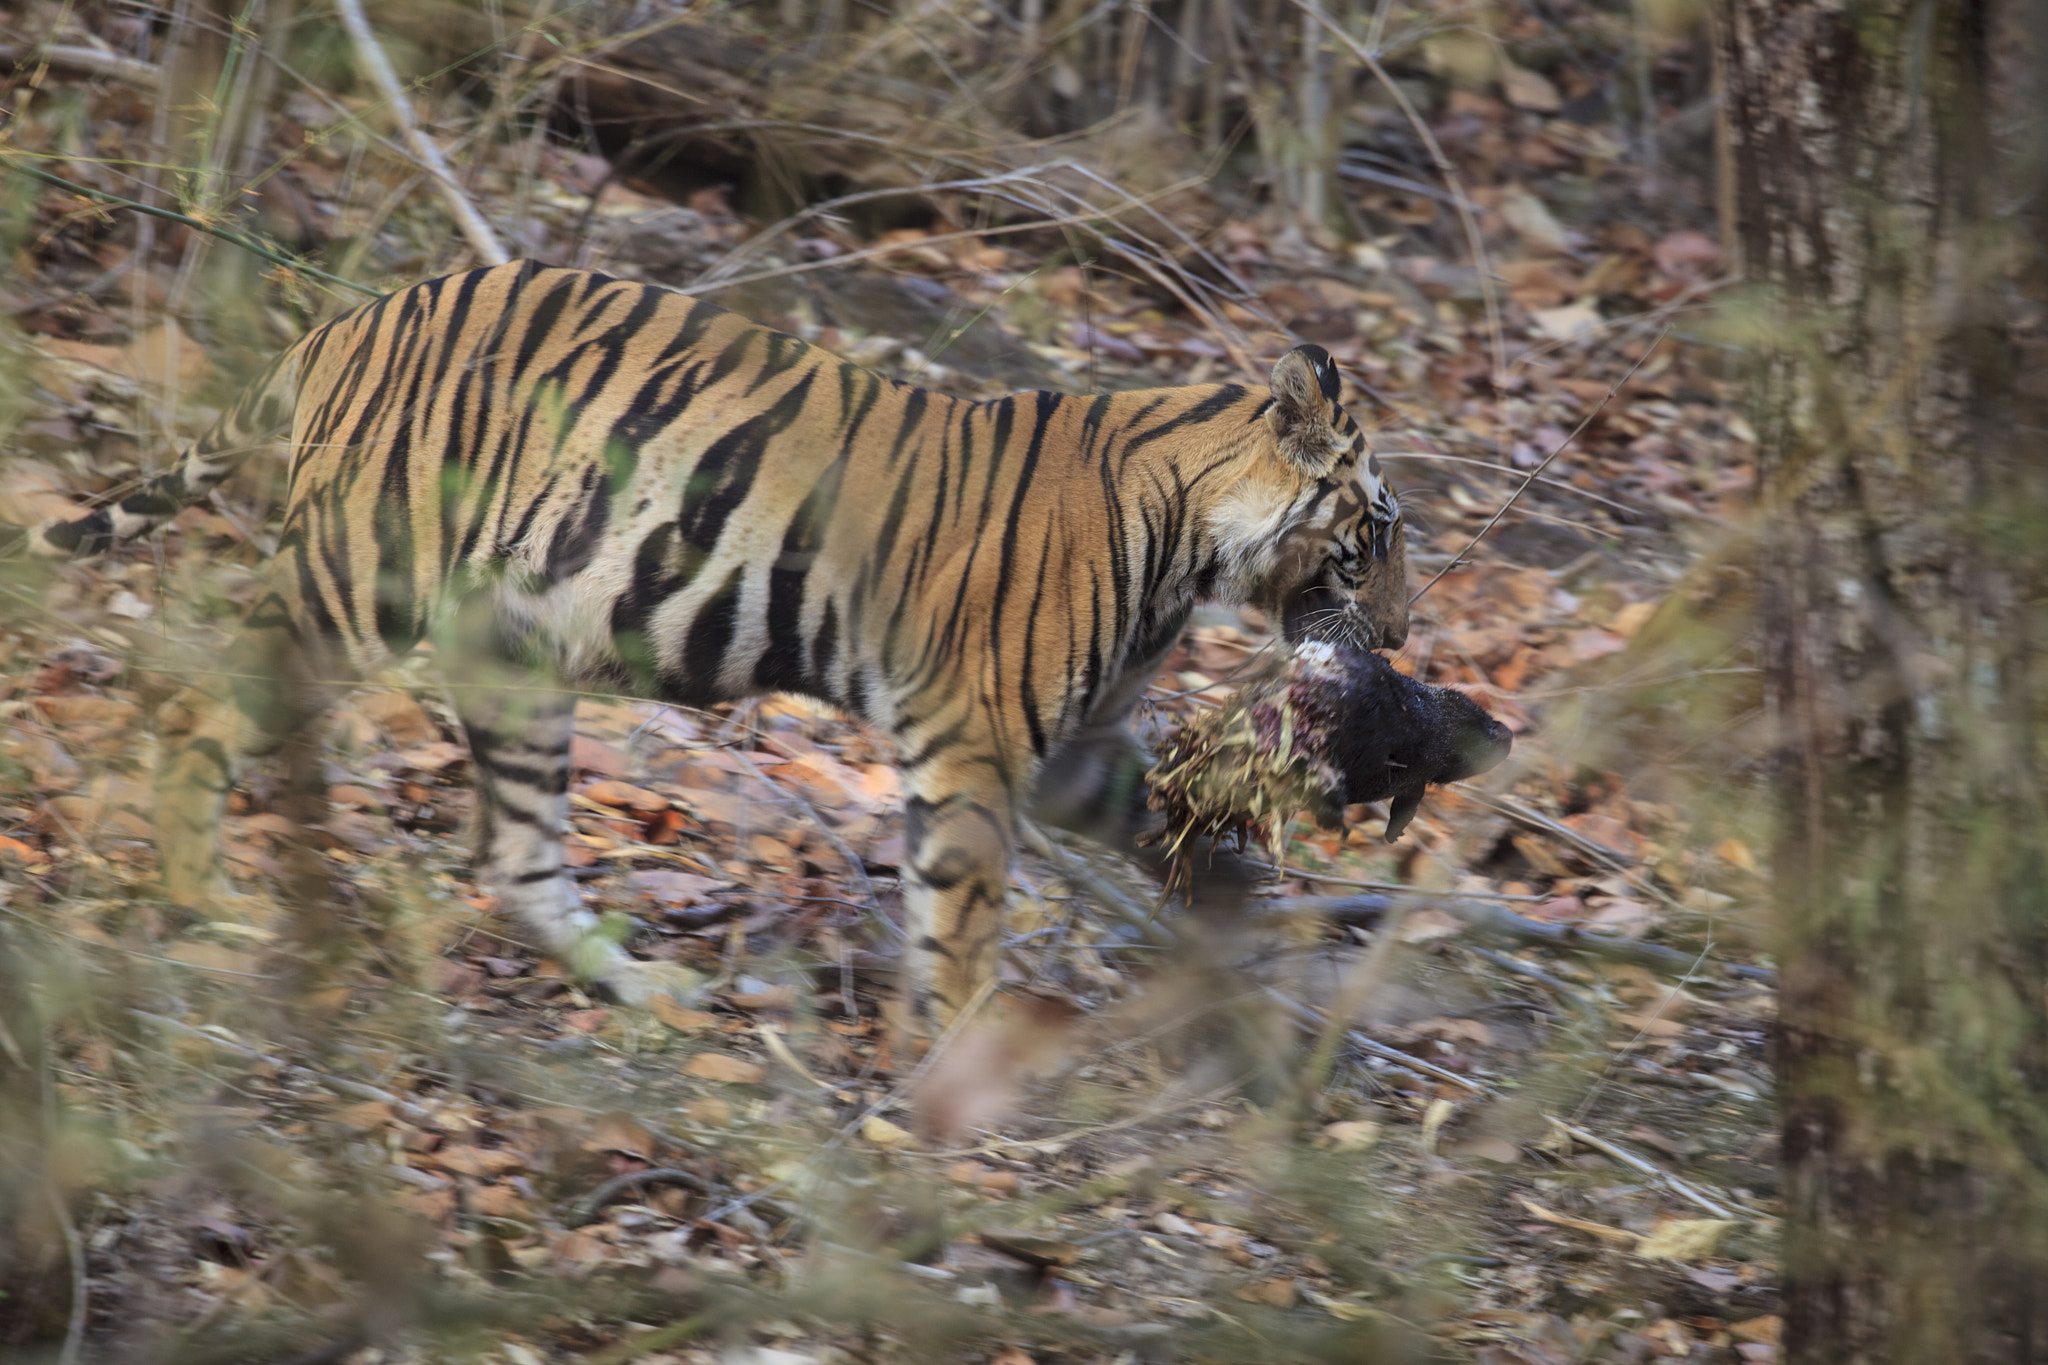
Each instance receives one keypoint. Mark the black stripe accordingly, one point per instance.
(705, 647)
(825, 652)
(459, 450)
(1092, 428)
(914, 403)
(922, 561)
(399, 333)
(910, 760)
(781, 666)
(724, 476)
(663, 565)
(1094, 668)
(1048, 404)
(1005, 410)
(784, 353)
(499, 476)
(968, 413)
(853, 412)
(1216, 404)
(892, 521)
(1027, 692)
(574, 543)
(551, 780)
(540, 324)
(598, 355)
(535, 504)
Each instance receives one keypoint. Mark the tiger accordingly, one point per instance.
(605, 486)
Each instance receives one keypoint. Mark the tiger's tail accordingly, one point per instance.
(260, 412)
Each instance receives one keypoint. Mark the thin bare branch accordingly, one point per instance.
(86, 61)
(370, 53)
(1432, 457)
(1690, 1193)
(1311, 1017)
(1585, 422)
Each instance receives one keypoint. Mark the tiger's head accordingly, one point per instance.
(1319, 544)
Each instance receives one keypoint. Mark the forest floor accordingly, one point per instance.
(384, 1129)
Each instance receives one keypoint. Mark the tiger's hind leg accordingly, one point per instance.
(519, 735)
(274, 687)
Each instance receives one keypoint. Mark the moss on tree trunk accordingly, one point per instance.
(1905, 491)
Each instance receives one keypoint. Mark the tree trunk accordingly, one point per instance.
(1905, 492)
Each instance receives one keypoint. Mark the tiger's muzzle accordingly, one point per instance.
(1371, 613)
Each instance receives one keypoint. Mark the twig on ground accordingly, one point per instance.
(1171, 1103)
(482, 240)
(771, 1038)
(1392, 888)
(652, 1340)
(1083, 877)
(1543, 824)
(402, 1108)
(1597, 852)
(1684, 1190)
(839, 845)
(587, 1207)
(1518, 967)
(1362, 978)
(1494, 920)
(1311, 1017)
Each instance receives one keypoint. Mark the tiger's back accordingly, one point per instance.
(693, 507)
(619, 487)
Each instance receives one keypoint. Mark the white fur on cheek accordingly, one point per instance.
(1247, 523)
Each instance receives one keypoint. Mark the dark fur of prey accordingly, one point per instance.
(1398, 736)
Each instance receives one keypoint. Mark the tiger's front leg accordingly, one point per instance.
(958, 825)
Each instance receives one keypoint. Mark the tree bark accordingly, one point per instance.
(1904, 580)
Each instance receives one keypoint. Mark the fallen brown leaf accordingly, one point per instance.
(724, 1067)
(680, 1017)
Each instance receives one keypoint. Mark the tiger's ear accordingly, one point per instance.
(1304, 410)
